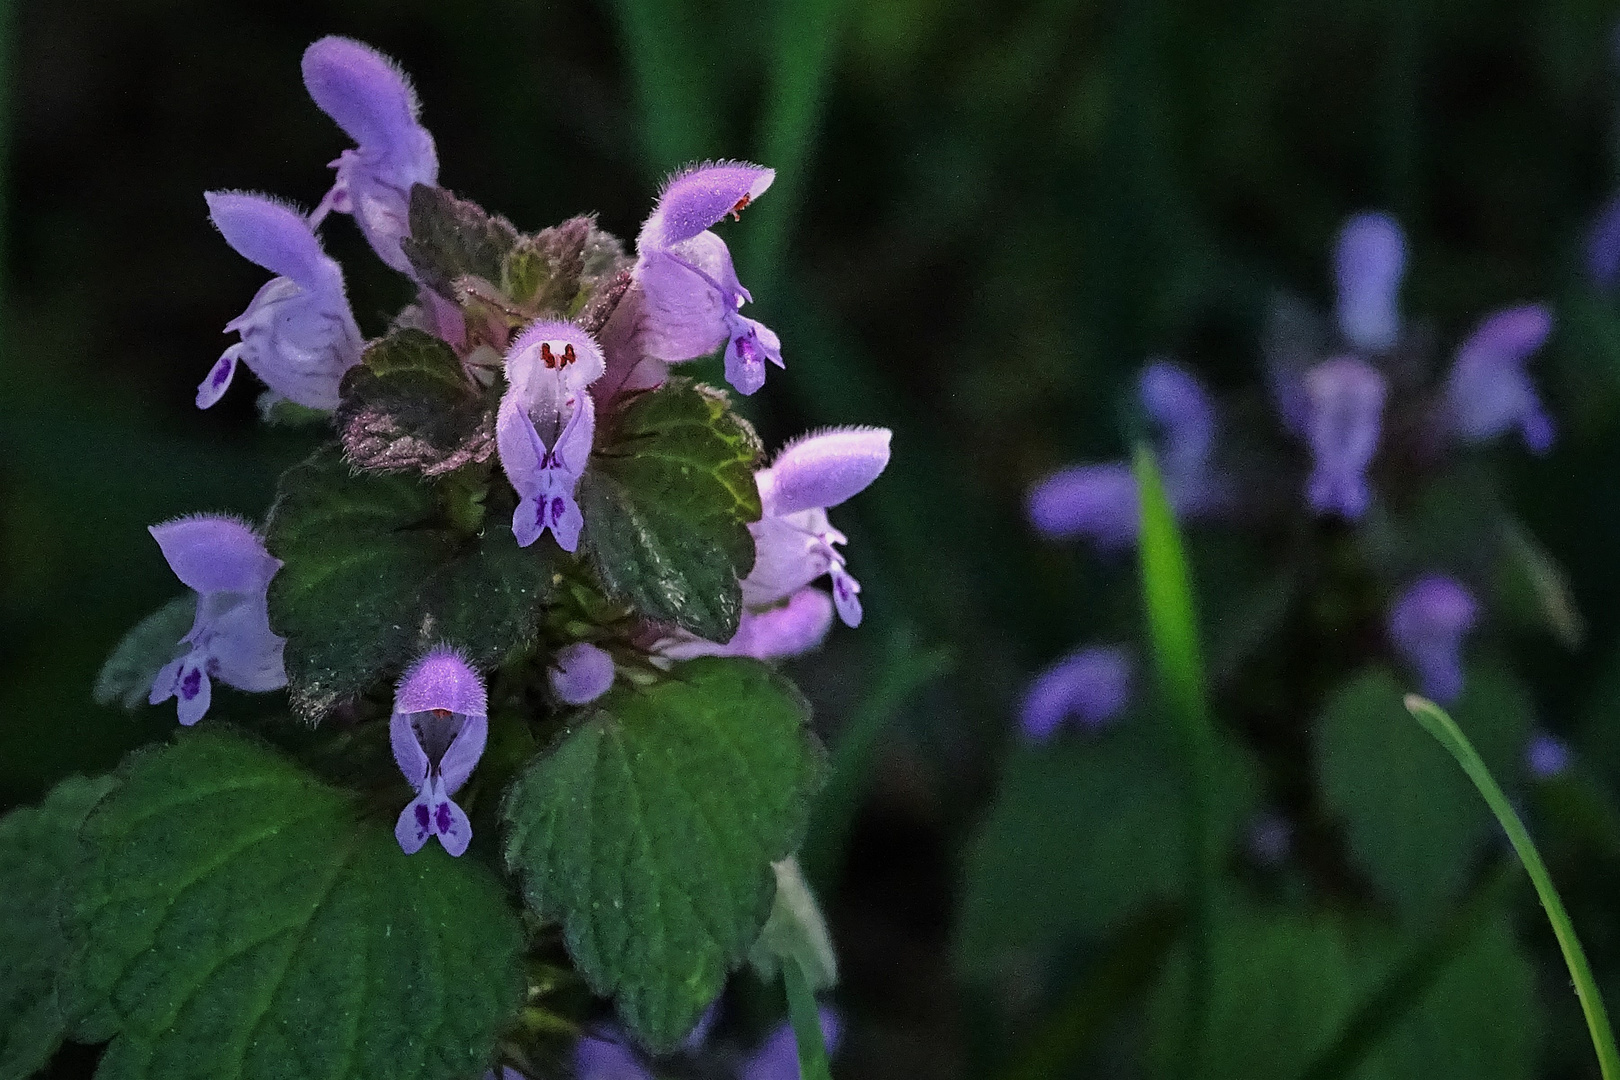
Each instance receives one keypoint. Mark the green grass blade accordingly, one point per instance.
(801, 61)
(1172, 625)
(806, 1019)
(665, 46)
(1442, 727)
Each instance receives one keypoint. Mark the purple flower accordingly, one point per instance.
(372, 101)
(793, 540)
(787, 629)
(438, 731)
(687, 278)
(228, 567)
(1180, 406)
(777, 1058)
(1099, 502)
(1487, 391)
(1092, 686)
(298, 334)
(1603, 246)
(1427, 625)
(1547, 756)
(581, 673)
(1346, 404)
(1368, 263)
(545, 426)
(607, 1058)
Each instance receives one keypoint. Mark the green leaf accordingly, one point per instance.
(1289, 983)
(409, 406)
(650, 830)
(1084, 831)
(1281, 986)
(1412, 820)
(40, 862)
(1479, 1021)
(451, 238)
(127, 675)
(242, 921)
(667, 502)
(795, 933)
(374, 575)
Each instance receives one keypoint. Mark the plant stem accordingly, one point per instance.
(1173, 631)
(1442, 727)
(806, 1020)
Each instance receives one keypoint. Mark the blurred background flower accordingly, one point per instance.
(985, 218)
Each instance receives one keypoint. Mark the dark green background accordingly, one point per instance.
(987, 216)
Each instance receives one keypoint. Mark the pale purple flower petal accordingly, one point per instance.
(790, 551)
(1603, 246)
(433, 813)
(699, 196)
(545, 426)
(750, 343)
(298, 333)
(372, 101)
(245, 653)
(212, 553)
(225, 563)
(1427, 624)
(438, 731)
(846, 592)
(581, 673)
(607, 1058)
(1092, 686)
(1346, 398)
(1180, 406)
(441, 679)
(794, 543)
(777, 1058)
(682, 316)
(785, 630)
(1488, 391)
(1097, 502)
(1368, 264)
(690, 292)
(1547, 756)
(824, 468)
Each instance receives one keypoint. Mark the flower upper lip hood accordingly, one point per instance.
(372, 101)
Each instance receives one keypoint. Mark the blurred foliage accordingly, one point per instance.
(988, 216)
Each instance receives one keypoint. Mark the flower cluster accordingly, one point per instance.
(1347, 392)
(542, 363)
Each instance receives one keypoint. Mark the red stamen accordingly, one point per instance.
(742, 204)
